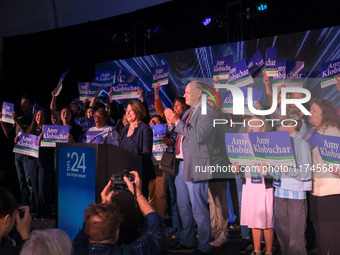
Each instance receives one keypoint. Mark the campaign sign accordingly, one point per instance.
(103, 78)
(328, 72)
(294, 73)
(329, 148)
(60, 84)
(271, 55)
(239, 74)
(54, 134)
(272, 148)
(150, 99)
(279, 79)
(85, 124)
(221, 68)
(239, 149)
(158, 147)
(90, 135)
(290, 73)
(86, 90)
(228, 102)
(256, 65)
(125, 91)
(160, 75)
(27, 145)
(7, 111)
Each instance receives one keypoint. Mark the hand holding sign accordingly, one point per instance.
(337, 82)
(266, 80)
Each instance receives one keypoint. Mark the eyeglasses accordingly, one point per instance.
(97, 116)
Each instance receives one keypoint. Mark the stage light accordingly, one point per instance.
(206, 21)
(262, 7)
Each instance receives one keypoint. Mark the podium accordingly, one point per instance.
(83, 171)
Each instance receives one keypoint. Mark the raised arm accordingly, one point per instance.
(269, 92)
(53, 105)
(4, 126)
(158, 103)
(93, 102)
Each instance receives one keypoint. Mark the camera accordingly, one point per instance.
(117, 181)
(21, 212)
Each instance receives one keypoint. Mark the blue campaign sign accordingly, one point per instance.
(76, 186)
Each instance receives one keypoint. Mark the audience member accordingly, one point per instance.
(102, 221)
(48, 242)
(20, 125)
(180, 107)
(324, 201)
(291, 185)
(158, 186)
(9, 215)
(102, 129)
(41, 169)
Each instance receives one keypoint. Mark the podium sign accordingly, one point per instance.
(76, 186)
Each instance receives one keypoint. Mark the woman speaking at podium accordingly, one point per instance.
(137, 137)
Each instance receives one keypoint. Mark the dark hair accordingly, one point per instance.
(182, 101)
(106, 116)
(138, 108)
(8, 203)
(72, 116)
(106, 228)
(33, 126)
(329, 114)
(161, 120)
(29, 98)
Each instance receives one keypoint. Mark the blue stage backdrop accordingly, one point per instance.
(314, 47)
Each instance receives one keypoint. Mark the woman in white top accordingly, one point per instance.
(101, 132)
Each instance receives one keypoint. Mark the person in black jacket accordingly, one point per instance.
(137, 137)
(9, 242)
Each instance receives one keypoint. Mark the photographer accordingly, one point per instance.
(10, 242)
(102, 221)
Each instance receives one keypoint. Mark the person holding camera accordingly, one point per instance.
(102, 221)
(9, 215)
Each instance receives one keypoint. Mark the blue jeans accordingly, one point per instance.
(192, 200)
(42, 176)
(176, 221)
(23, 178)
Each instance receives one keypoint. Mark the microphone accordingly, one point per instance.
(107, 132)
(110, 132)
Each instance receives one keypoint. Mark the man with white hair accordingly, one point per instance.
(193, 151)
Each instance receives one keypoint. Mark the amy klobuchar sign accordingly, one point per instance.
(270, 148)
(7, 111)
(27, 144)
(54, 134)
(328, 72)
(160, 75)
(125, 90)
(158, 147)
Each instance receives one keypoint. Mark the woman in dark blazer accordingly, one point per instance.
(137, 137)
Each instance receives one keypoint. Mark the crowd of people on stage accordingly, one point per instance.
(264, 210)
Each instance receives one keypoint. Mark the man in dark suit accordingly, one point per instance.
(194, 151)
